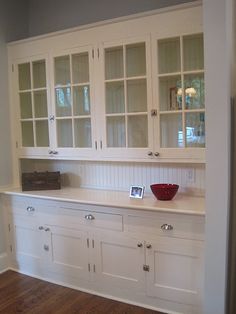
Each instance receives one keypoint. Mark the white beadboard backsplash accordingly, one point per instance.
(121, 175)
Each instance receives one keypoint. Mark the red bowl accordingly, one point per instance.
(164, 192)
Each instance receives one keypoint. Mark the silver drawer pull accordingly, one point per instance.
(148, 246)
(41, 228)
(167, 227)
(47, 229)
(89, 217)
(46, 247)
(139, 244)
(30, 209)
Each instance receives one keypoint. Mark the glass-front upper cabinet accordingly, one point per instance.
(72, 94)
(180, 95)
(126, 97)
(33, 106)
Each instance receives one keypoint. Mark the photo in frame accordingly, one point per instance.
(136, 191)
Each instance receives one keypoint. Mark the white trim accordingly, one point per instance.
(90, 291)
(192, 4)
(3, 262)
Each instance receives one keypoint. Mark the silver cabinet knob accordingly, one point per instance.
(52, 118)
(50, 152)
(148, 246)
(54, 152)
(47, 229)
(89, 217)
(156, 154)
(46, 247)
(167, 227)
(30, 209)
(41, 228)
(139, 244)
(150, 153)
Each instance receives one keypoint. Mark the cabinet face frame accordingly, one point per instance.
(190, 154)
(34, 150)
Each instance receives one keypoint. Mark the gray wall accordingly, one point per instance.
(13, 25)
(53, 15)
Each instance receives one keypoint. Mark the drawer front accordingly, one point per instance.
(179, 226)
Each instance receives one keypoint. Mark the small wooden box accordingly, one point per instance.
(33, 181)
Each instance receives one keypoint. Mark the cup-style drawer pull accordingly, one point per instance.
(30, 209)
(46, 247)
(47, 229)
(89, 217)
(41, 228)
(139, 244)
(148, 246)
(167, 227)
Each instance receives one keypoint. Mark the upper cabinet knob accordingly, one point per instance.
(30, 209)
(150, 153)
(157, 154)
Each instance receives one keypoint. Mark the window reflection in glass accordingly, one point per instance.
(63, 101)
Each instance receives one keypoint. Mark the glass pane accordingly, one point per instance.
(137, 131)
(116, 132)
(25, 106)
(193, 52)
(40, 104)
(83, 137)
(39, 74)
(24, 76)
(114, 67)
(115, 98)
(195, 129)
(171, 130)
(62, 70)
(63, 102)
(194, 91)
(170, 95)
(42, 137)
(137, 95)
(64, 133)
(80, 68)
(81, 100)
(169, 55)
(27, 134)
(135, 60)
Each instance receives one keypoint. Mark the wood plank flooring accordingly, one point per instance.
(24, 294)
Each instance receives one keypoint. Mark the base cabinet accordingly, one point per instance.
(71, 245)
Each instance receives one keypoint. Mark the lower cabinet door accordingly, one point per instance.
(175, 270)
(27, 255)
(119, 260)
(66, 253)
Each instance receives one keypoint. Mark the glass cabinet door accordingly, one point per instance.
(33, 103)
(72, 100)
(181, 92)
(126, 107)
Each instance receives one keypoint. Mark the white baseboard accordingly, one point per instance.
(3, 262)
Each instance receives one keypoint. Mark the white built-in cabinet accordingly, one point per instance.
(151, 258)
(132, 90)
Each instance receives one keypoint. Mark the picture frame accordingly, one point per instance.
(136, 191)
(173, 98)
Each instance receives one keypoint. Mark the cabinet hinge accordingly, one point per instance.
(9, 227)
(94, 268)
(88, 267)
(87, 242)
(93, 244)
(96, 145)
(98, 52)
(12, 67)
(146, 268)
(11, 248)
(16, 144)
(93, 53)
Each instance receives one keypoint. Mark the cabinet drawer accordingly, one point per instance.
(90, 218)
(179, 226)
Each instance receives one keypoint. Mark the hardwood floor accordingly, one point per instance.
(24, 294)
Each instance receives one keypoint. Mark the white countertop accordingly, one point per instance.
(180, 204)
